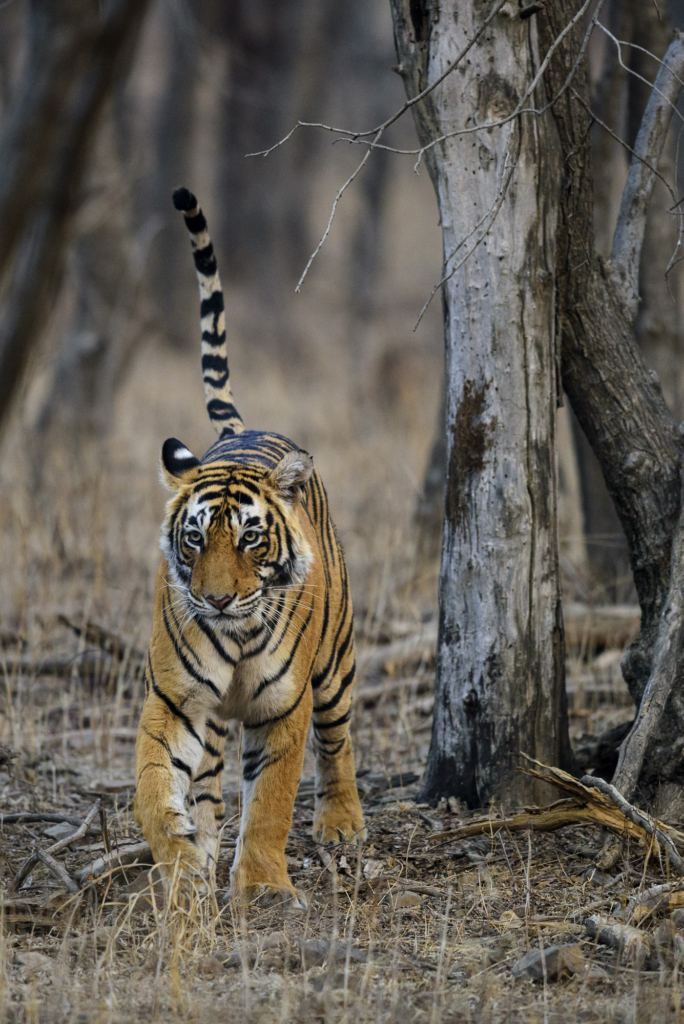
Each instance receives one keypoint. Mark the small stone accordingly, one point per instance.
(336, 982)
(248, 952)
(273, 940)
(316, 952)
(60, 831)
(596, 876)
(373, 868)
(407, 900)
(593, 974)
(509, 919)
(677, 916)
(494, 956)
(34, 963)
(209, 967)
(554, 961)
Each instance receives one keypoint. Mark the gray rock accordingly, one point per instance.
(555, 961)
(315, 952)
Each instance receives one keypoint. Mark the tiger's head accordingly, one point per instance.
(232, 533)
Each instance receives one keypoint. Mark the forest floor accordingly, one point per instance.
(406, 928)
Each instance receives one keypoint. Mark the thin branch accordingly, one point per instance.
(339, 195)
(377, 132)
(664, 671)
(59, 871)
(30, 817)
(629, 233)
(409, 103)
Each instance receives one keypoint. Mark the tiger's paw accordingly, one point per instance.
(339, 821)
(266, 896)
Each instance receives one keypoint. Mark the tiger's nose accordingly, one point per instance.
(219, 602)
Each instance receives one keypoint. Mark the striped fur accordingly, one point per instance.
(252, 621)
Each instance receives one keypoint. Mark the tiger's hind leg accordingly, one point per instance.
(338, 815)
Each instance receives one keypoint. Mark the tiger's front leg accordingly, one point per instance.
(170, 753)
(272, 761)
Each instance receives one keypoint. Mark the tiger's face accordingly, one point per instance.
(232, 535)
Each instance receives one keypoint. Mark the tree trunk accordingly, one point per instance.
(75, 57)
(96, 349)
(500, 649)
(617, 401)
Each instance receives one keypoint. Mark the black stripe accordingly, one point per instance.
(184, 661)
(196, 224)
(279, 718)
(216, 382)
(207, 796)
(334, 701)
(189, 648)
(220, 650)
(214, 304)
(219, 364)
(330, 754)
(220, 410)
(214, 338)
(338, 747)
(205, 261)
(211, 749)
(181, 765)
(173, 708)
(219, 730)
(286, 665)
(331, 725)
(211, 773)
(321, 676)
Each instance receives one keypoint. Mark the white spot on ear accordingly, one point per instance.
(293, 471)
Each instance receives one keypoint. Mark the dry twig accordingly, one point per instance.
(47, 856)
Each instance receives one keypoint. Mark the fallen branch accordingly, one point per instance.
(40, 855)
(33, 817)
(639, 818)
(587, 805)
(58, 870)
(129, 856)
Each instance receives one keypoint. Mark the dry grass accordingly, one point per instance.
(427, 932)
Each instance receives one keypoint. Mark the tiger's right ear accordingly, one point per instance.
(179, 465)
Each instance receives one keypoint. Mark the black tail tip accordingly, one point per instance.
(183, 199)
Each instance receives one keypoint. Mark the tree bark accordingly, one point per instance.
(74, 58)
(500, 649)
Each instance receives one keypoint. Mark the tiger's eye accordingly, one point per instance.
(194, 536)
(249, 536)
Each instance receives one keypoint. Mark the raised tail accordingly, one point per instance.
(222, 412)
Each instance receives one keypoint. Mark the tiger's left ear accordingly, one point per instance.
(292, 473)
(179, 465)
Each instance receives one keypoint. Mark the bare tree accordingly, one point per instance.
(75, 55)
(516, 204)
(500, 648)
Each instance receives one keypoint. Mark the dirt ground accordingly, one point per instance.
(408, 928)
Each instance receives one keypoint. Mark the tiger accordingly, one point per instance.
(253, 621)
